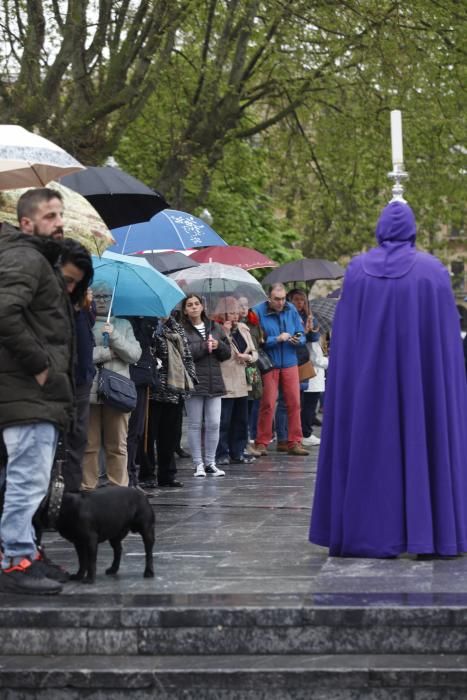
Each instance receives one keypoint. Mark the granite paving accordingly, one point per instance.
(247, 533)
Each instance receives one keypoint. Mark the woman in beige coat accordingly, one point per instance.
(233, 434)
(108, 428)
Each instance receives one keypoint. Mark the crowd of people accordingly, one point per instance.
(240, 377)
(58, 335)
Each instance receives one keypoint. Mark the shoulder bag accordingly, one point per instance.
(116, 391)
(264, 362)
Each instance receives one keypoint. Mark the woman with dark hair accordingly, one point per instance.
(76, 259)
(209, 347)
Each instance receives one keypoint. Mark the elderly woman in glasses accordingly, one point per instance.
(115, 348)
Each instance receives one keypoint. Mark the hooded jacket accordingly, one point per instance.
(36, 332)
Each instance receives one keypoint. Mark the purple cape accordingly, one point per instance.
(392, 470)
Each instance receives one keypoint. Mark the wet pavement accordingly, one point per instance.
(247, 533)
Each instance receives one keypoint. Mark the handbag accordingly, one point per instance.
(254, 381)
(264, 362)
(116, 391)
(306, 371)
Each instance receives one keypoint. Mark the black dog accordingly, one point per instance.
(108, 513)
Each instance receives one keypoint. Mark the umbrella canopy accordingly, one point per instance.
(247, 258)
(172, 229)
(305, 270)
(29, 160)
(119, 198)
(138, 289)
(323, 309)
(81, 220)
(213, 281)
(169, 261)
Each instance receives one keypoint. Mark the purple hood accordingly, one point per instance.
(395, 231)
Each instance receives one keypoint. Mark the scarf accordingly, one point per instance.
(178, 378)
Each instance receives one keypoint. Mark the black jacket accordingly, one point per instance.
(163, 393)
(84, 365)
(36, 332)
(207, 365)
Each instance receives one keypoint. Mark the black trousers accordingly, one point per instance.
(309, 400)
(164, 419)
(76, 441)
(135, 433)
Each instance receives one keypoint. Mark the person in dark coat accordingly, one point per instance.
(144, 374)
(177, 376)
(209, 347)
(392, 470)
(36, 379)
(76, 262)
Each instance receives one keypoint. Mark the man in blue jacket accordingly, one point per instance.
(283, 332)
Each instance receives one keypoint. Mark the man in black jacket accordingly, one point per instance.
(36, 386)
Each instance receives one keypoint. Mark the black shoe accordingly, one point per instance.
(317, 421)
(173, 483)
(223, 460)
(138, 487)
(28, 578)
(49, 569)
(245, 459)
(148, 484)
(183, 453)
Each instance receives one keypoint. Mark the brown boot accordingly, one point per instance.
(261, 449)
(298, 450)
(251, 451)
(282, 447)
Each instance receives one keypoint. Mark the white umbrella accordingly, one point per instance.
(213, 281)
(29, 160)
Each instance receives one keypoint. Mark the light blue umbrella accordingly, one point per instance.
(170, 229)
(138, 288)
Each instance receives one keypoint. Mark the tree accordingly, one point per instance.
(81, 71)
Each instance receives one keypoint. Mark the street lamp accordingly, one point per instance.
(206, 216)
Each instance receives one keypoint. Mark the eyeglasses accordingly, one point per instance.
(102, 297)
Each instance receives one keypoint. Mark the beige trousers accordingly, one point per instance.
(107, 428)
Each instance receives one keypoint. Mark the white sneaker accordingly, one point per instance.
(214, 471)
(200, 470)
(312, 440)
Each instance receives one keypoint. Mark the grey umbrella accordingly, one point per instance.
(305, 270)
(323, 309)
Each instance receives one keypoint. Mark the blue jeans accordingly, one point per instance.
(209, 408)
(253, 413)
(233, 433)
(281, 419)
(31, 449)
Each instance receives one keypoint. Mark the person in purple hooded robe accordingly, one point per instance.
(392, 470)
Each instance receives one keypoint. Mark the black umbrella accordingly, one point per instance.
(170, 261)
(119, 198)
(305, 270)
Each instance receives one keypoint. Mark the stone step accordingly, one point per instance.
(146, 626)
(251, 677)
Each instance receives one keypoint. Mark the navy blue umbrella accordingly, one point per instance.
(170, 229)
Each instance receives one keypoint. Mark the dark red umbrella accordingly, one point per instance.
(247, 258)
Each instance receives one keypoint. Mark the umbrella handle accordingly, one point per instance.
(105, 341)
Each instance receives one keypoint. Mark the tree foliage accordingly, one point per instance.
(81, 71)
(273, 113)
